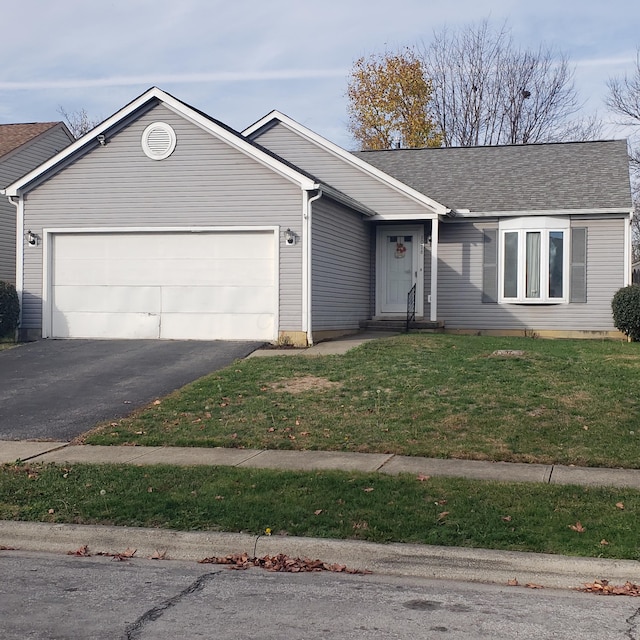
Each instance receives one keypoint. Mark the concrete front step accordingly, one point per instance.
(401, 324)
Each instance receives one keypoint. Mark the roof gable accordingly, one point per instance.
(275, 117)
(516, 178)
(154, 95)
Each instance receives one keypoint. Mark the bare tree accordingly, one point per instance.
(486, 91)
(624, 101)
(79, 121)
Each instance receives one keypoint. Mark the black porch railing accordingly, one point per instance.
(411, 306)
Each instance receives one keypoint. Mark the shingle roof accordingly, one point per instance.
(13, 136)
(566, 175)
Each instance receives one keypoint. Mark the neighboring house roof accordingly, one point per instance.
(584, 176)
(13, 136)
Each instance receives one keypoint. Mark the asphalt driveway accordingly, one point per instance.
(58, 389)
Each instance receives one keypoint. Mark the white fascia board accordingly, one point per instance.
(537, 212)
(349, 158)
(178, 107)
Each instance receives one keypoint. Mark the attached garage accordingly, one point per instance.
(195, 284)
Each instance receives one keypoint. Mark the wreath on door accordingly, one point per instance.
(401, 250)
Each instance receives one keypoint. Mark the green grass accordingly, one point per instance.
(563, 401)
(508, 516)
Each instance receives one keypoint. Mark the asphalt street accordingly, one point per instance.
(58, 389)
(57, 597)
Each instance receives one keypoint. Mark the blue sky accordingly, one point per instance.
(238, 60)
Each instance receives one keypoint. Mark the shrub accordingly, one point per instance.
(626, 311)
(9, 308)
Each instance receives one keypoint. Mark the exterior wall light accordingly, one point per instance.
(289, 237)
(32, 238)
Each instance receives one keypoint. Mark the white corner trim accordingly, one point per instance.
(19, 205)
(433, 309)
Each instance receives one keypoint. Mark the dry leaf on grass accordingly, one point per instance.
(279, 563)
(577, 527)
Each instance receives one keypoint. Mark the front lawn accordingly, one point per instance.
(559, 401)
(595, 522)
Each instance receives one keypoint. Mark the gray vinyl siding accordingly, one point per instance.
(340, 267)
(13, 166)
(336, 172)
(205, 182)
(460, 278)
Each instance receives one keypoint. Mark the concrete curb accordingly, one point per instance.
(411, 560)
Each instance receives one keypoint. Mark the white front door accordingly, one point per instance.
(399, 265)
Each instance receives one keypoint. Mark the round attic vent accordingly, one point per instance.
(158, 140)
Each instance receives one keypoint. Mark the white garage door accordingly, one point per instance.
(202, 286)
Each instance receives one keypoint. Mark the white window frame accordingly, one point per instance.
(544, 226)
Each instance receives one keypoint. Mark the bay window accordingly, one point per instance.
(533, 255)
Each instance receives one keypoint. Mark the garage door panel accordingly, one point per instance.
(204, 285)
(139, 326)
(240, 300)
(101, 299)
(201, 326)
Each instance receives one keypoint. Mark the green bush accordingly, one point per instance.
(626, 311)
(9, 309)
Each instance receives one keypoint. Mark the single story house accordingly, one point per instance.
(163, 222)
(22, 148)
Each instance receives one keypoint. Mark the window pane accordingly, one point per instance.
(533, 264)
(511, 265)
(556, 247)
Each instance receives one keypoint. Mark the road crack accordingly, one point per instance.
(135, 629)
(633, 621)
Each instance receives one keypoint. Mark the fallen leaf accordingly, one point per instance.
(533, 585)
(271, 429)
(368, 489)
(422, 477)
(620, 505)
(443, 515)
(234, 436)
(317, 512)
(506, 518)
(82, 551)
(513, 582)
(158, 555)
(604, 542)
(602, 587)
(51, 511)
(156, 402)
(218, 497)
(280, 563)
(577, 527)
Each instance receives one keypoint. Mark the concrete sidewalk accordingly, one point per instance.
(63, 452)
(391, 559)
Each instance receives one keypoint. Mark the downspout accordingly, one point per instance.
(433, 307)
(308, 200)
(628, 252)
